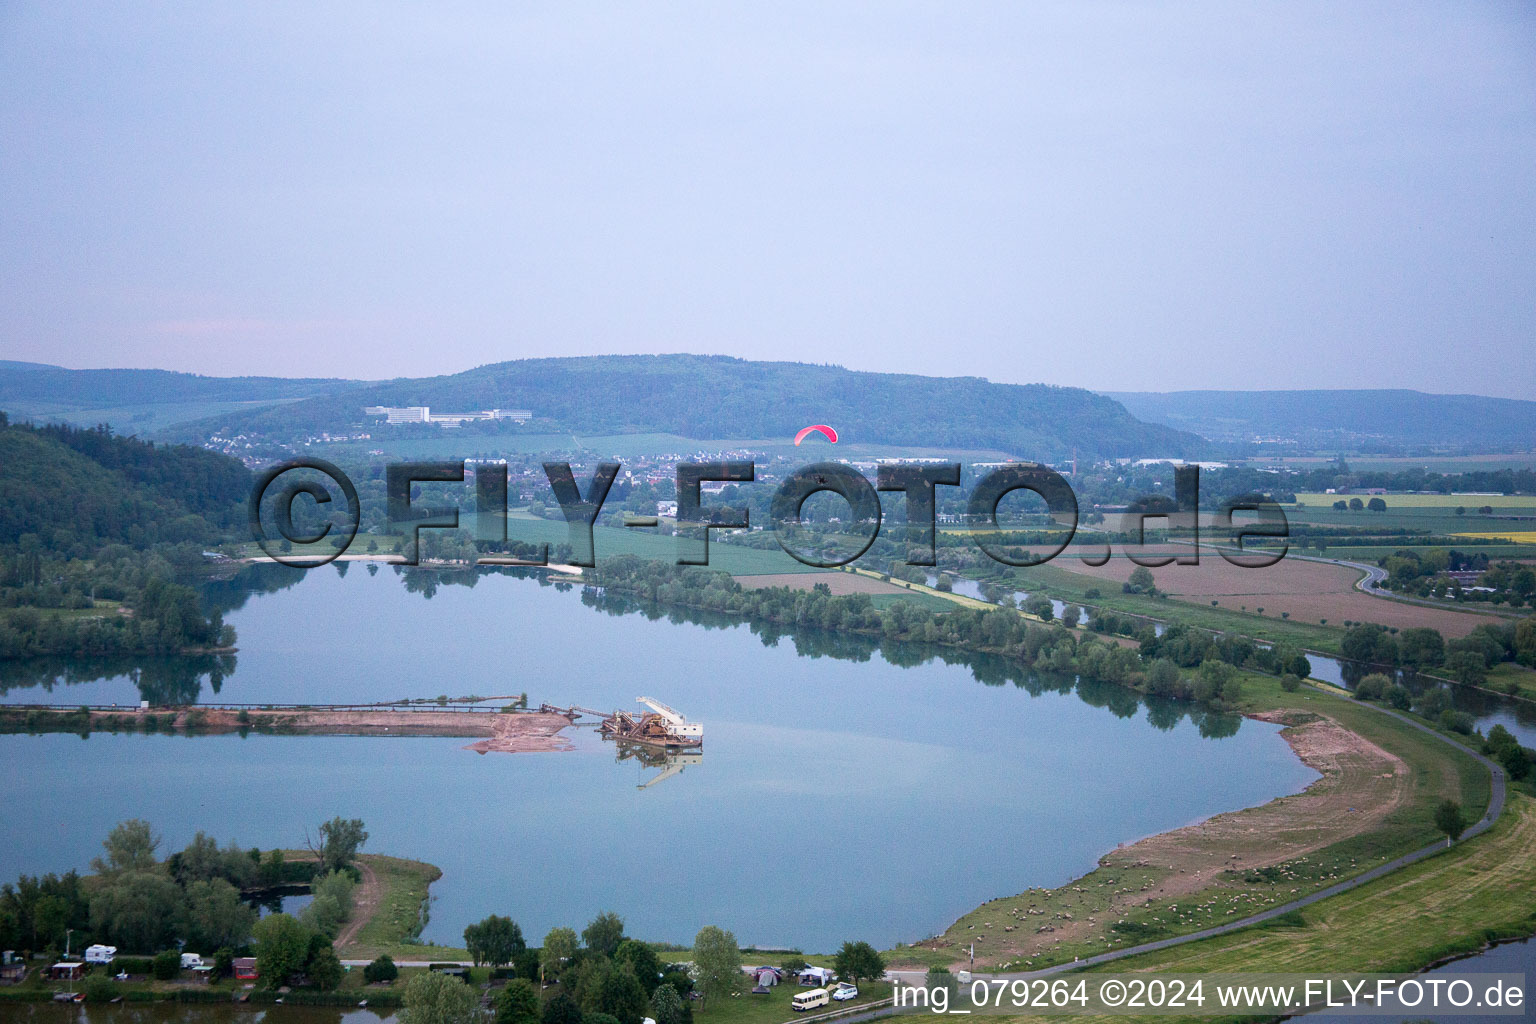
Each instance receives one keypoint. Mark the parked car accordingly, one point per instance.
(190, 961)
(845, 990)
(100, 954)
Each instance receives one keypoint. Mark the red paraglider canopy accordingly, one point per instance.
(822, 428)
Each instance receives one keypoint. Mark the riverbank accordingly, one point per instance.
(1380, 780)
(1476, 893)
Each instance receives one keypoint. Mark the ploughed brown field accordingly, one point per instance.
(1310, 591)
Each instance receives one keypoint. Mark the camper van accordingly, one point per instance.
(191, 961)
(100, 954)
(812, 999)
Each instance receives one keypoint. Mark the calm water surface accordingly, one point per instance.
(845, 790)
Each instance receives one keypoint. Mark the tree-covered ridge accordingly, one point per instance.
(74, 490)
(92, 529)
(709, 397)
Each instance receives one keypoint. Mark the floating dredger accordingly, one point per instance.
(659, 727)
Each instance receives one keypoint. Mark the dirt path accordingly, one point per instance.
(366, 899)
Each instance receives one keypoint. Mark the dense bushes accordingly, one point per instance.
(381, 970)
(166, 965)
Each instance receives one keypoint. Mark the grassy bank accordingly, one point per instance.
(1120, 904)
(399, 915)
(1477, 892)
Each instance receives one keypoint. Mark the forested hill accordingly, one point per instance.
(74, 490)
(1341, 417)
(711, 397)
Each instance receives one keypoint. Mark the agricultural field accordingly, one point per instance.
(1305, 591)
(1514, 536)
(1371, 552)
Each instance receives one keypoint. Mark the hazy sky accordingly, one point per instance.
(1117, 196)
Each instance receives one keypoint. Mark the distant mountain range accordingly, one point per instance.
(719, 397)
(712, 397)
(1314, 418)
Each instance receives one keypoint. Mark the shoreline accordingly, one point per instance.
(1339, 830)
(502, 732)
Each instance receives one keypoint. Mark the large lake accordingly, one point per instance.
(845, 791)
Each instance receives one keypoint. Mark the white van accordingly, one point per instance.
(190, 961)
(100, 954)
(812, 999)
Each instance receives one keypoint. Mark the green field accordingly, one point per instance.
(774, 1008)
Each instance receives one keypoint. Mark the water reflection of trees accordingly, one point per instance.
(224, 594)
(160, 679)
(179, 680)
(169, 679)
(986, 668)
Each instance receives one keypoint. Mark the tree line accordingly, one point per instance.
(199, 898)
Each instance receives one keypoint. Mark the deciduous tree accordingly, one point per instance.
(642, 962)
(494, 941)
(856, 960)
(214, 916)
(716, 963)
(517, 1003)
(434, 998)
(559, 947)
(666, 1005)
(130, 846)
(282, 948)
(341, 838)
(604, 934)
(1450, 820)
